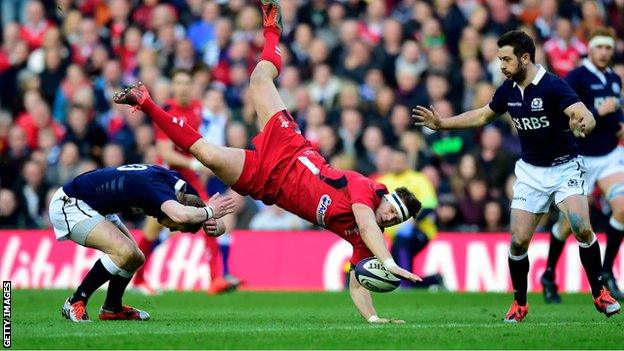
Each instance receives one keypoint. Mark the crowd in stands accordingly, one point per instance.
(353, 70)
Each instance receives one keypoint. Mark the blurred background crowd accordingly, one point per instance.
(353, 70)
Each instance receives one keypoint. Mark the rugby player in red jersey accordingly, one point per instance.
(284, 169)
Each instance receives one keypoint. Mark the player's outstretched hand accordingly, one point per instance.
(214, 228)
(581, 125)
(221, 205)
(426, 117)
(405, 274)
(387, 321)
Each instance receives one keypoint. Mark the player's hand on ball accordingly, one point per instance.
(426, 117)
(405, 274)
(221, 205)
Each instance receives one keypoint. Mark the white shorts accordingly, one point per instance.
(600, 167)
(72, 219)
(536, 187)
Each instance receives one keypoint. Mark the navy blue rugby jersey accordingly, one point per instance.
(537, 112)
(135, 187)
(593, 87)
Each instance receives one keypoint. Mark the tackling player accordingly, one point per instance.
(84, 211)
(284, 169)
(548, 115)
(597, 86)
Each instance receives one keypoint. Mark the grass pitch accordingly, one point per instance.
(265, 320)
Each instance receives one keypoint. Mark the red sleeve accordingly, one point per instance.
(362, 191)
(159, 134)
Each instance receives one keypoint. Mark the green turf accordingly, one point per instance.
(254, 320)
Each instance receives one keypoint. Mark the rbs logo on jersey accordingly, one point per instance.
(531, 123)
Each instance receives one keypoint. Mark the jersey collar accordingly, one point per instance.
(541, 72)
(593, 69)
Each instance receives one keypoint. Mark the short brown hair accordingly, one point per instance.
(602, 32)
(410, 201)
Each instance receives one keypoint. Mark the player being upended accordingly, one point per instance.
(286, 170)
(84, 211)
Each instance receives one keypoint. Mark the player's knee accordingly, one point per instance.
(584, 232)
(519, 245)
(259, 77)
(137, 258)
(126, 254)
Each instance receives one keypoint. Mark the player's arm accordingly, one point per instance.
(174, 158)
(582, 121)
(364, 302)
(217, 208)
(373, 238)
(469, 119)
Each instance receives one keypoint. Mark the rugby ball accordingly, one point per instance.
(372, 275)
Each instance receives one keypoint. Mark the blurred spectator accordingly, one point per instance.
(564, 50)
(10, 216)
(13, 157)
(67, 168)
(35, 25)
(32, 190)
(372, 141)
(275, 218)
(113, 155)
(494, 218)
(493, 161)
(471, 207)
(87, 135)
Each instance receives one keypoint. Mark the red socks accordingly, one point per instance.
(271, 50)
(215, 263)
(183, 135)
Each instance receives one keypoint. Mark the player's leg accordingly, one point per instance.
(613, 188)
(151, 230)
(558, 235)
(265, 97)
(523, 224)
(121, 254)
(227, 163)
(113, 309)
(576, 210)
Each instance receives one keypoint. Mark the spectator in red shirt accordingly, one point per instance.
(36, 25)
(564, 50)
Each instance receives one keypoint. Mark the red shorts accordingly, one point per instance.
(276, 149)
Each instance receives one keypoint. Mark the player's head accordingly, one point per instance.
(601, 44)
(397, 207)
(516, 51)
(187, 200)
(181, 85)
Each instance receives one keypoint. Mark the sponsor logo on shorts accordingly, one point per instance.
(321, 209)
(573, 183)
(519, 198)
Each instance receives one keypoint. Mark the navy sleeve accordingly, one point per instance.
(563, 94)
(499, 100)
(619, 111)
(156, 193)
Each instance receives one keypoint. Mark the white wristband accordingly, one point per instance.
(196, 165)
(373, 319)
(209, 212)
(389, 263)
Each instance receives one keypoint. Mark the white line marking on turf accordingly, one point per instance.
(80, 333)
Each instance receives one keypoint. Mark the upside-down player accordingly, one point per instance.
(287, 171)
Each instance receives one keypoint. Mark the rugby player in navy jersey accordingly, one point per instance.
(84, 211)
(548, 115)
(598, 87)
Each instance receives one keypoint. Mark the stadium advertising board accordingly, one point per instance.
(303, 260)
